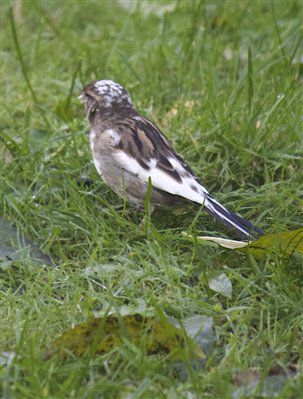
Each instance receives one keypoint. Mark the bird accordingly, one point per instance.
(130, 152)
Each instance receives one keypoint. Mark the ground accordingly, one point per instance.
(223, 81)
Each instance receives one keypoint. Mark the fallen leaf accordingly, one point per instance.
(251, 383)
(101, 335)
(226, 243)
(242, 378)
(221, 284)
(14, 247)
(200, 329)
(287, 242)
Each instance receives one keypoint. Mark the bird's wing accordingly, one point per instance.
(145, 151)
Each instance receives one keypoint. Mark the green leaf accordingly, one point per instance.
(102, 335)
(221, 284)
(286, 242)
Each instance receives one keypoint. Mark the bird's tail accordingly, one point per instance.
(231, 220)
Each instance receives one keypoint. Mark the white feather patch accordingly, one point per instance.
(176, 165)
(92, 137)
(98, 165)
(115, 136)
(159, 178)
(218, 213)
(189, 180)
(111, 92)
(165, 182)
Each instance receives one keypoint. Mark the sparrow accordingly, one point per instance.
(128, 150)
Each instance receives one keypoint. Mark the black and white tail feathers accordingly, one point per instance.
(231, 220)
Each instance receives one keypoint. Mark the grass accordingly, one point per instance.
(222, 79)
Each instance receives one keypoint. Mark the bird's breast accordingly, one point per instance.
(92, 138)
(104, 141)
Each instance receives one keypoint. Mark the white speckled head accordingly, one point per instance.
(105, 97)
(112, 93)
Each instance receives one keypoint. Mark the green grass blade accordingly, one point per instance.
(22, 64)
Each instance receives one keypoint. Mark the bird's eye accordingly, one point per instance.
(88, 96)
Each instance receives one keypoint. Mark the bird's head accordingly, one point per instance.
(104, 96)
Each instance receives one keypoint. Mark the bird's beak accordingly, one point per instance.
(81, 98)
